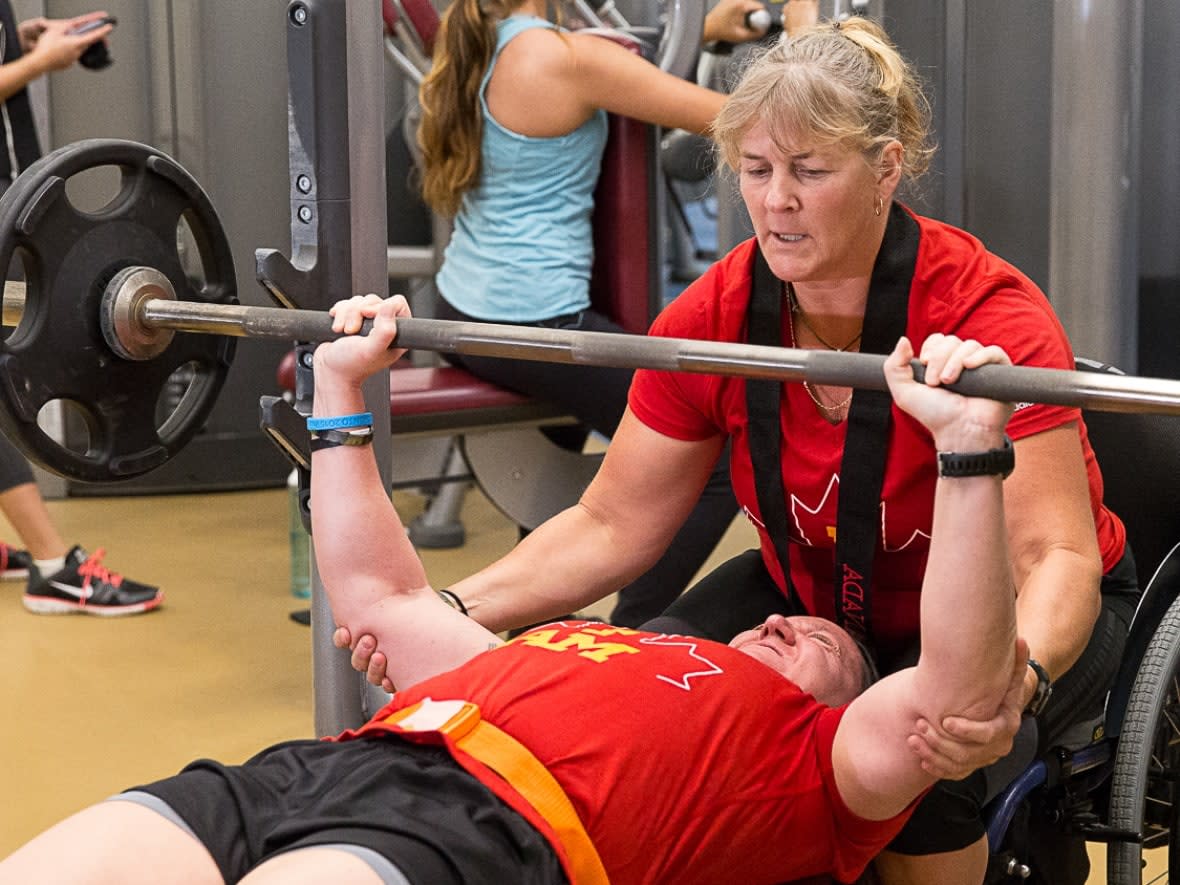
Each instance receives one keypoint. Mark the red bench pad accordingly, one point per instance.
(415, 390)
(418, 391)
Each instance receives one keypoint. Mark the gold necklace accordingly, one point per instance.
(793, 303)
(838, 408)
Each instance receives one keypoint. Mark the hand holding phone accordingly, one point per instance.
(97, 56)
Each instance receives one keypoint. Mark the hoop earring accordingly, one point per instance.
(878, 205)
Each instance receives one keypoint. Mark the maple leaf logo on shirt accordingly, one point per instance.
(815, 526)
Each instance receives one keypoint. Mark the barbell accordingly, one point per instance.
(99, 322)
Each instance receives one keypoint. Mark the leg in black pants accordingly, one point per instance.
(737, 595)
(597, 396)
(14, 467)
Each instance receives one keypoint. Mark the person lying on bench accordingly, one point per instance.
(531, 761)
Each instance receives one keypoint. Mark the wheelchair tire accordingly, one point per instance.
(1145, 785)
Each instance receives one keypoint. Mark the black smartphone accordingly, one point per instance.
(94, 25)
(97, 56)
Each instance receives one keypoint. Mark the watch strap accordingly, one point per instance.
(330, 439)
(1040, 698)
(994, 462)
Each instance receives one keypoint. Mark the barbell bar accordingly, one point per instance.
(144, 313)
(1100, 391)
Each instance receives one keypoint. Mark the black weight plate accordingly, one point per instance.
(58, 350)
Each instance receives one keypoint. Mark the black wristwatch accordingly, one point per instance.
(1044, 690)
(994, 462)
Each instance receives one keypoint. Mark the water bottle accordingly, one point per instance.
(300, 567)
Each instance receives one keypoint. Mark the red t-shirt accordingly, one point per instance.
(686, 761)
(959, 288)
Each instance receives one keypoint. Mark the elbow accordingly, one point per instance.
(1094, 579)
(363, 603)
(974, 686)
(1086, 566)
(1074, 570)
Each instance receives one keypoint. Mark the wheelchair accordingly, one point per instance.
(1120, 787)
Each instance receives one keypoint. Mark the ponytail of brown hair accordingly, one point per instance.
(451, 129)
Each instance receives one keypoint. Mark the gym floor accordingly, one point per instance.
(94, 706)
(97, 705)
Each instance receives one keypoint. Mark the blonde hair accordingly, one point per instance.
(451, 130)
(843, 83)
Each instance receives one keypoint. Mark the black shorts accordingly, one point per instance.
(412, 804)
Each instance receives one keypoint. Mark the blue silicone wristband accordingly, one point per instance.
(341, 422)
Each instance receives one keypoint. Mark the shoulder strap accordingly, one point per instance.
(764, 321)
(862, 467)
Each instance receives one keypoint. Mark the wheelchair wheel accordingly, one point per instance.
(1145, 786)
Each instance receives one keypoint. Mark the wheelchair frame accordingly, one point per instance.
(1121, 788)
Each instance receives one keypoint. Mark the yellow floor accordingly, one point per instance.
(91, 706)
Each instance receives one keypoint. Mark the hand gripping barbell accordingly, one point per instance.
(98, 320)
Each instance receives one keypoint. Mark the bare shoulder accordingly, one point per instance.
(563, 51)
(534, 89)
(600, 51)
(537, 51)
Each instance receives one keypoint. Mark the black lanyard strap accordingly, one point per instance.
(862, 466)
(764, 321)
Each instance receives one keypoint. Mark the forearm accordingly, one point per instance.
(362, 551)
(375, 583)
(1056, 561)
(15, 75)
(968, 623)
(643, 492)
(799, 15)
(572, 560)
(1056, 608)
(726, 22)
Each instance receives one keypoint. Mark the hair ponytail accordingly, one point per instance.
(451, 128)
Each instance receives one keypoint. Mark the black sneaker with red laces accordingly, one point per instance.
(14, 564)
(85, 586)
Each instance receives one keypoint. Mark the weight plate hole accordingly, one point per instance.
(193, 250)
(68, 423)
(177, 396)
(14, 290)
(91, 191)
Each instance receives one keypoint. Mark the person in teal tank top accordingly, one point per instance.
(528, 218)
(512, 135)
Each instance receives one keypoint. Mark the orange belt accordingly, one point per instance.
(462, 723)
